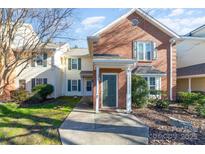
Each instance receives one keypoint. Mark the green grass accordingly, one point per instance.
(35, 124)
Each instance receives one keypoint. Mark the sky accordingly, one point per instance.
(88, 21)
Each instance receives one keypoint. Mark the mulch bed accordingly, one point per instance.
(160, 132)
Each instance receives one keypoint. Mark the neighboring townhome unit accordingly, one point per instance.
(135, 43)
(191, 61)
(45, 68)
(78, 73)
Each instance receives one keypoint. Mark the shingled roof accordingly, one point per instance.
(147, 70)
(191, 70)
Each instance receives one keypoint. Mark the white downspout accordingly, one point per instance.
(170, 87)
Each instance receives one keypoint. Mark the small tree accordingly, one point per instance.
(140, 91)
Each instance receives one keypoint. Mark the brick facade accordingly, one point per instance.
(119, 38)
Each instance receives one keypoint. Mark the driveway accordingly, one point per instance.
(84, 127)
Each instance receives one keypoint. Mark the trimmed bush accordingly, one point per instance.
(162, 103)
(188, 99)
(140, 91)
(19, 95)
(42, 91)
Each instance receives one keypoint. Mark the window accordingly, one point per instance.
(89, 85)
(37, 81)
(74, 63)
(39, 60)
(143, 50)
(153, 83)
(135, 22)
(74, 85)
(22, 84)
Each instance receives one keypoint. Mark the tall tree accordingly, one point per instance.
(25, 33)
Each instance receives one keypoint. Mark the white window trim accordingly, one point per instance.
(72, 86)
(144, 51)
(72, 63)
(157, 87)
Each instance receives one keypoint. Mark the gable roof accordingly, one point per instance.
(195, 30)
(144, 15)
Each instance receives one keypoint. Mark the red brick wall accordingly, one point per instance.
(119, 40)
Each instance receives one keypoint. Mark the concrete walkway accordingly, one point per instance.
(84, 127)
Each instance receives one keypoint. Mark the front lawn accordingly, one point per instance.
(35, 124)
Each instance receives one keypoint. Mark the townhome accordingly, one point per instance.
(191, 61)
(135, 43)
(44, 68)
(78, 73)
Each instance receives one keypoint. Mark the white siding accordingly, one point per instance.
(190, 52)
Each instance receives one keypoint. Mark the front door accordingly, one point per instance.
(109, 90)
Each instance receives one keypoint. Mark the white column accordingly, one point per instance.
(129, 87)
(97, 90)
(189, 90)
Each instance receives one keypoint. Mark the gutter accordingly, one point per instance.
(172, 41)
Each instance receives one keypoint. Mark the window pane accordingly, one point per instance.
(152, 81)
(74, 85)
(148, 51)
(39, 81)
(39, 60)
(89, 86)
(74, 63)
(22, 84)
(140, 51)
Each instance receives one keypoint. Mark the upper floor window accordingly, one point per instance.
(144, 51)
(40, 60)
(74, 63)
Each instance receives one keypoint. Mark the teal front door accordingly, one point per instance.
(109, 90)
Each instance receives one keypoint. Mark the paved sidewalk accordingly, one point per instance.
(84, 127)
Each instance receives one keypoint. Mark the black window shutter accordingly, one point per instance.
(69, 85)
(69, 63)
(44, 80)
(45, 56)
(79, 85)
(33, 83)
(79, 63)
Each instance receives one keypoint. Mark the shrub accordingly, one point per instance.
(19, 95)
(188, 99)
(140, 91)
(201, 110)
(162, 103)
(42, 91)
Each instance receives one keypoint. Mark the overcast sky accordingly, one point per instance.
(89, 21)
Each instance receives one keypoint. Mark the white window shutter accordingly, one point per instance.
(154, 52)
(135, 49)
(158, 84)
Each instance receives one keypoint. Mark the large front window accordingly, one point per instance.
(153, 84)
(143, 50)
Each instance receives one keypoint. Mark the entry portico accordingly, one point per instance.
(112, 83)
